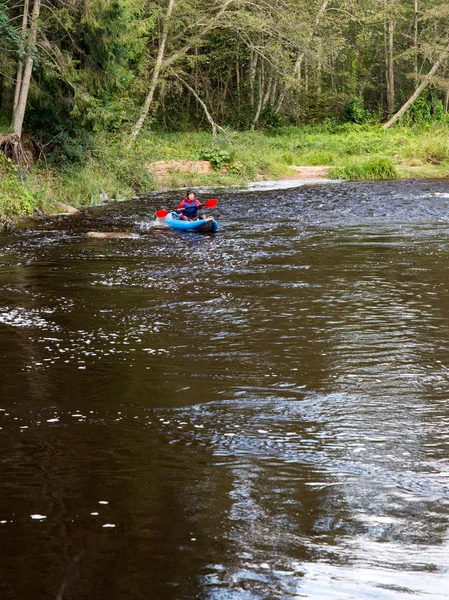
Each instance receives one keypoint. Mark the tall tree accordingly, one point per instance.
(201, 17)
(29, 35)
(156, 70)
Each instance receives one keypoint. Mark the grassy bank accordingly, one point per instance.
(105, 163)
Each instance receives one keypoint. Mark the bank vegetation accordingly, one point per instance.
(94, 91)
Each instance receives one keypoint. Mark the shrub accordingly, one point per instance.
(353, 112)
(217, 158)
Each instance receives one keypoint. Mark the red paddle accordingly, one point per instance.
(212, 203)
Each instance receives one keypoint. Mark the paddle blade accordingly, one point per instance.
(160, 214)
(211, 203)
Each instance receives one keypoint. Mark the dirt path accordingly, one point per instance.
(163, 169)
(315, 173)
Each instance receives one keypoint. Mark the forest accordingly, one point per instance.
(120, 82)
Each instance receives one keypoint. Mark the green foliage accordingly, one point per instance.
(427, 108)
(7, 31)
(354, 112)
(110, 166)
(270, 118)
(127, 165)
(373, 168)
(71, 146)
(15, 198)
(95, 59)
(112, 37)
(217, 157)
(83, 79)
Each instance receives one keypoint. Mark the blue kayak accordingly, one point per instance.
(208, 225)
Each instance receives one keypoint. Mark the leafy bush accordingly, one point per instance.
(217, 158)
(236, 168)
(353, 112)
(67, 148)
(269, 118)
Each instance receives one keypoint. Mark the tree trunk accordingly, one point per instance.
(155, 76)
(19, 112)
(427, 79)
(264, 94)
(224, 94)
(415, 42)
(26, 12)
(252, 75)
(300, 57)
(332, 74)
(239, 91)
(163, 63)
(280, 101)
(298, 65)
(274, 90)
(390, 62)
(260, 100)
(318, 70)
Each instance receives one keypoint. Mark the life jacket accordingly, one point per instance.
(190, 208)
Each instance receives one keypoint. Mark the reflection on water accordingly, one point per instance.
(257, 414)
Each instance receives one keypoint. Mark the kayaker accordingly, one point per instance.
(188, 208)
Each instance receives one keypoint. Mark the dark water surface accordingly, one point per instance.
(256, 415)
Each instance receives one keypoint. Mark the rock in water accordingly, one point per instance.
(68, 209)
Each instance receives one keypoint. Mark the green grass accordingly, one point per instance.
(375, 168)
(352, 151)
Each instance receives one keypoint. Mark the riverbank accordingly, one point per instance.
(106, 167)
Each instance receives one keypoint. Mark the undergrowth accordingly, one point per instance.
(15, 197)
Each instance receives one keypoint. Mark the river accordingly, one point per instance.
(253, 415)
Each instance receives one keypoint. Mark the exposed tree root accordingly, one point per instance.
(12, 147)
(6, 226)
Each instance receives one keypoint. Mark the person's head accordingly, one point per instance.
(190, 194)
